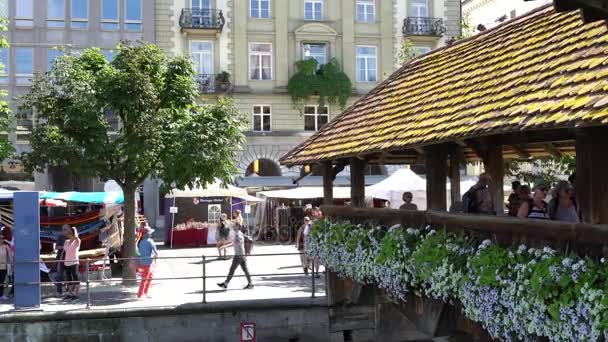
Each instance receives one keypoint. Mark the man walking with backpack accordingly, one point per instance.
(478, 200)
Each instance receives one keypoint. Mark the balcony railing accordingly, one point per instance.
(207, 83)
(196, 18)
(420, 26)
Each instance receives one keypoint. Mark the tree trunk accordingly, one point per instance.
(129, 233)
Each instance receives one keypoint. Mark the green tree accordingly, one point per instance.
(466, 28)
(6, 148)
(406, 51)
(547, 170)
(162, 134)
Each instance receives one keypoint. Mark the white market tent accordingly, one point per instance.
(305, 192)
(213, 190)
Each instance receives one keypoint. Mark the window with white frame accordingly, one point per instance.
(367, 64)
(4, 68)
(80, 14)
(261, 118)
(24, 64)
(133, 15)
(24, 13)
(419, 8)
(316, 51)
(214, 211)
(201, 54)
(420, 50)
(260, 61)
(315, 117)
(55, 16)
(51, 55)
(313, 9)
(259, 8)
(366, 11)
(109, 15)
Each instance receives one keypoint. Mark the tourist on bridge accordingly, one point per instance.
(562, 206)
(407, 202)
(71, 246)
(147, 260)
(535, 207)
(514, 201)
(240, 257)
(478, 200)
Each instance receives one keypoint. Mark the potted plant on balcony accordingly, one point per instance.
(223, 80)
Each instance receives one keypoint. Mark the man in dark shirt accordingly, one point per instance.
(60, 256)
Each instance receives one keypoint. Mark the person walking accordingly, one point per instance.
(71, 246)
(222, 234)
(306, 260)
(6, 259)
(147, 260)
(239, 259)
(59, 259)
(478, 200)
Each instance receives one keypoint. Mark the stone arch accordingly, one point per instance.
(273, 153)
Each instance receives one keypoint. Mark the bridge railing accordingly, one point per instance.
(584, 239)
(86, 282)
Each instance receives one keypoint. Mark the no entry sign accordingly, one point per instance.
(247, 332)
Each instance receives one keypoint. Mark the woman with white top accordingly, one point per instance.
(71, 246)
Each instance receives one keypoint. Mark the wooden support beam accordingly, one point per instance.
(456, 160)
(419, 150)
(553, 151)
(460, 142)
(436, 174)
(591, 170)
(328, 182)
(357, 182)
(521, 152)
(494, 165)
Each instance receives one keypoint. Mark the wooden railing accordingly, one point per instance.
(578, 237)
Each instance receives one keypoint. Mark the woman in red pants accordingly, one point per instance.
(147, 260)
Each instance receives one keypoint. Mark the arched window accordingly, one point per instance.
(264, 168)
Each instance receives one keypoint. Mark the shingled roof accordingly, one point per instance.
(542, 70)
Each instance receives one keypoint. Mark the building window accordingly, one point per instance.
(109, 55)
(420, 50)
(366, 11)
(419, 8)
(201, 54)
(315, 117)
(51, 56)
(24, 13)
(313, 9)
(366, 64)
(315, 51)
(24, 64)
(261, 118)
(80, 14)
(260, 61)
(55, 13)
(109, 14)
(133, 15)
(4, 68)
(259, 8)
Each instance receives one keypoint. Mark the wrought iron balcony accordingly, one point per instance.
(206, 83)
(421, 26)
(205, 19)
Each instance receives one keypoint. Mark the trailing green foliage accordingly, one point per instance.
(517, 294)
(328, 82)
(6, 148)
(546, 170)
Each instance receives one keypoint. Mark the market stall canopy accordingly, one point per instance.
(400, 181)
(114, 197)
(213, 190)
(306, 193)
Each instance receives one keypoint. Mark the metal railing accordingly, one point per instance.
(206, 83)
(87, 281)
(422, 26)
(198, 18)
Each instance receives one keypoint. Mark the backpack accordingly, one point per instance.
(468, 202)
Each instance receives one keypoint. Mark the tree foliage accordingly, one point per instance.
(162, 133)
(546, 170)
(6, 148)
(328, 82)
(406, 52)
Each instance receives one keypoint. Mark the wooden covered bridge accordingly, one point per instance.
(534, 86)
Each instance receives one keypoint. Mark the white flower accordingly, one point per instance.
(486, 242)
(531, 250)
(548, 250)
(522, 248)
(603, 260)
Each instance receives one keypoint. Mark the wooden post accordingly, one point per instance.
(494, 165)
(456, 158)
(328, 183)
(436, 174)
(357, 182)
(591, 174)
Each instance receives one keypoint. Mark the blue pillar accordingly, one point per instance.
(26, 230)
